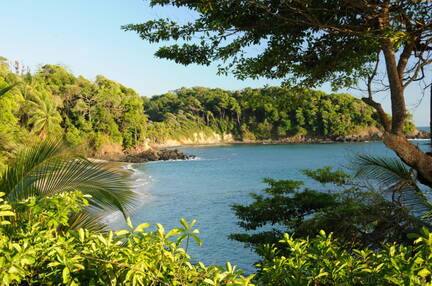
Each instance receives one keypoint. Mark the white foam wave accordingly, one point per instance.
(140, 184)
(129, 167)
(112, 217)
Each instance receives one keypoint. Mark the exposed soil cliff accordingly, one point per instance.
(198, 138)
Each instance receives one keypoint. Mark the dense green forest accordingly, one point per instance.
(90, 114)
(270, 112)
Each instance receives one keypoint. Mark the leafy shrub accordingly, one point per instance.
(35, 250)
(322, 261)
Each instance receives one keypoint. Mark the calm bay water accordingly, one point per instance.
(204, 189)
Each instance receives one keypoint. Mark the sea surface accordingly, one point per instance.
(205, 188)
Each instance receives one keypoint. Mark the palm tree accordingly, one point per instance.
(48, 168)
(43, 115)
(397, 179)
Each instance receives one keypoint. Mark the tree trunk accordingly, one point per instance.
(411, 155)
(394, 137)
(396, 90)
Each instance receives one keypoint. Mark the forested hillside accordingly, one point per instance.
(91, 114)
(267, 113)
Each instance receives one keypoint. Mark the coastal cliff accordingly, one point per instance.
(197, 138)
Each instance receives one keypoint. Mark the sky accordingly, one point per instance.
(85, 36)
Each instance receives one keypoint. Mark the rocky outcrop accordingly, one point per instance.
(157, 155)
(139, 154)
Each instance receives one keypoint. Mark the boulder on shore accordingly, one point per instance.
(157, 155)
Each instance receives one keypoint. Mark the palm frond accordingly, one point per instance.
(87, 221)
(48, 168)
(19, 176)
(385, 170)
(396, 178)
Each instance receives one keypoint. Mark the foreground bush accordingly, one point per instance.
(36, 251)
(322, 261)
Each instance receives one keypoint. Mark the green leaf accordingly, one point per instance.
(197, 239)
(160, 228)
(424, 272)
(129, 223)
(81, 234)
(184, 223)
(122, 232)
(66, 275)
(172, 232)
(141, 227)
(7, 213)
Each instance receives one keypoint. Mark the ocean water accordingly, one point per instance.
(204, 189)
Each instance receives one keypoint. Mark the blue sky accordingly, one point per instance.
(85, 36)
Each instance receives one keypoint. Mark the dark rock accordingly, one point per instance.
(175, 154)
(157, 155)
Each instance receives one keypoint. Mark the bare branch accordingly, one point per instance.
(384, 119)
(419, 67)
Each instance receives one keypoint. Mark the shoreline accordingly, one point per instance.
(368, 135)
(169, 150)
(277, 142)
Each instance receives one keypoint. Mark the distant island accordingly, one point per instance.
(107, 120)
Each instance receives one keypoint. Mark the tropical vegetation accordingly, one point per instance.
(321, 260)
(50, 232)
(37, 250)
(52, 197)
(267, 113)
(372, 218)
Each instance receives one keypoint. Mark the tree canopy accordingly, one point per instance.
(309, 43)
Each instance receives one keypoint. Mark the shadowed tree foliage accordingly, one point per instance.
(400, 182)
(357, 214)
